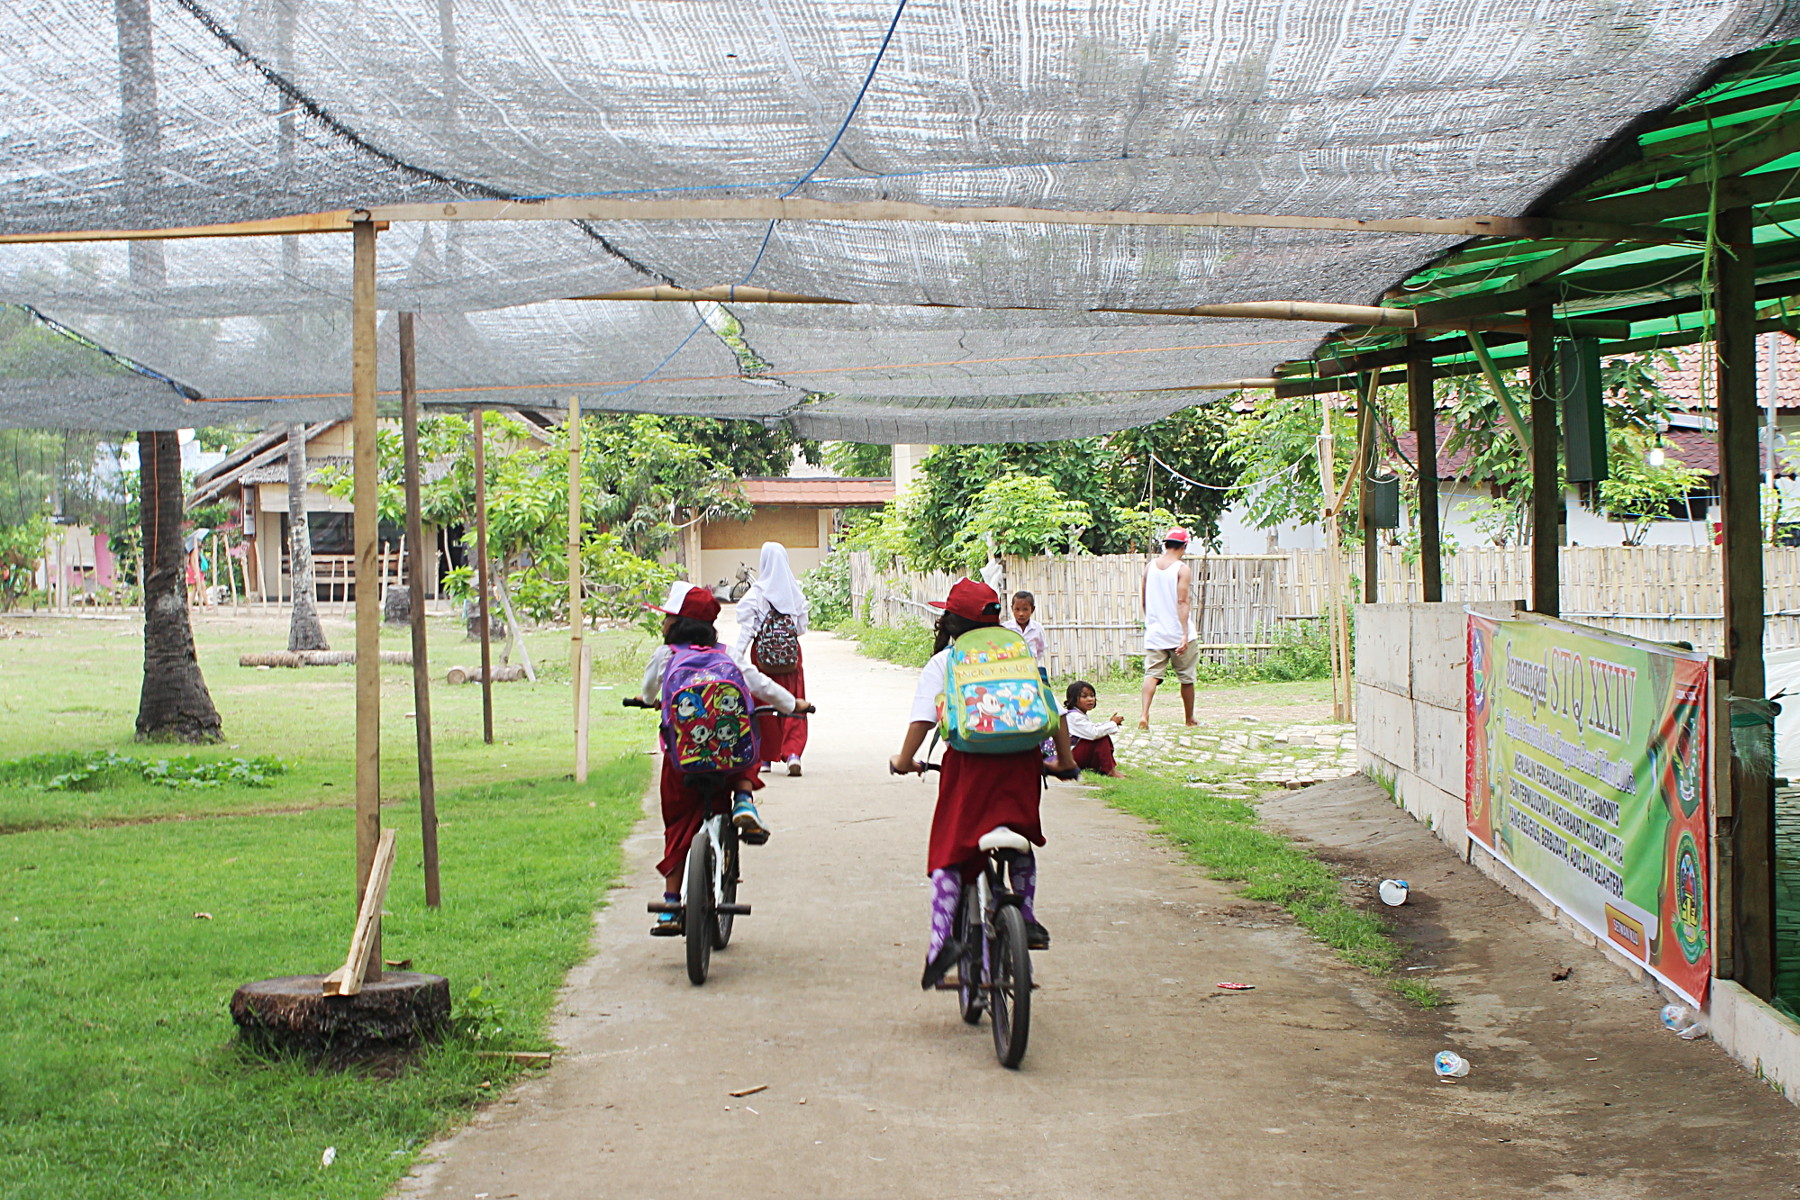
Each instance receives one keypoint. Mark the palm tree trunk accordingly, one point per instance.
(174, 704)
(304, 631)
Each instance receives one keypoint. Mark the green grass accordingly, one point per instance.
(119, 1072)
(1226, 837)
(908, 644)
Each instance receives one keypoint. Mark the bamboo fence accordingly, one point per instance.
(1091, 611)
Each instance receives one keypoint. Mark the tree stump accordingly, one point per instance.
(472, 623)
(401, 1009)
(397, 608)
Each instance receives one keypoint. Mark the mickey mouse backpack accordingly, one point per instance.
(996, 702)
(707, 723)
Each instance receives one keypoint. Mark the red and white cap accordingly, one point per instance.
(687, 600)
(972, 600)
(1177, 534)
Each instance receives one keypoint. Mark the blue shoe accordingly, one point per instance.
(749, 823)
(667, 925)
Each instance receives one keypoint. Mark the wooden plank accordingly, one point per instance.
(483, 612)
(1422, 398)
(584, 682)
(1546, 491)
(363, 963)
(757, 208)
(421, 665)
(367, 517)
(342, 220)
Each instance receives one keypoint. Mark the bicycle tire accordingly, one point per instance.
(721, 923)
(1009, 997)
(697, 918)
(968, 972)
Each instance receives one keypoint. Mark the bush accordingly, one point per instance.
(908, 644)
(827, 588)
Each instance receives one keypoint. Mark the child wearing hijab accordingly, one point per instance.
(976, 792)
(770, 618)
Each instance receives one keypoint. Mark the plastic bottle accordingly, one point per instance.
(1393, 892)
(1683, 1021)
(1450, 1065)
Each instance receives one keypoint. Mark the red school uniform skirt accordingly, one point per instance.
(780, 736)
(976, 792)
(1095, 754)
(684, 808)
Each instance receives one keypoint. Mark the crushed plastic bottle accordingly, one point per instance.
(1450, 1065)
(1683, 1022)
(1393, 892)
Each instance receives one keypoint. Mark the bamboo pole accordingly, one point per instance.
(481, 582)
(409, 423)
(575, 621)
(368, 610)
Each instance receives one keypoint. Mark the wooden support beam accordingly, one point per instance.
(1777, 140)
(363, 963)
(1740, 502)
(1422, 400)
(756, 208)
(1503, 393)
(421, 667)
(1342, 685)
(340, 221)
(482, 622)
(1365, 495)
(366, 483)
(1546, 479)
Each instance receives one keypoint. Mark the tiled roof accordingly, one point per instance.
(825, 492)
(1693, 383)
(1693, 447)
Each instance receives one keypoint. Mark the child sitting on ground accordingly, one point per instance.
(976, 792)
(1091, 741)
(688, 616)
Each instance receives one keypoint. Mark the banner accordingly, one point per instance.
(1590, 774)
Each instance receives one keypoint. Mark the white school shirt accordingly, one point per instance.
(763, 690)
(1033, 633)
(934, 678)
(1162, 617)
(1084, 728)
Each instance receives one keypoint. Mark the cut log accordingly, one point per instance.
(292, 1014)
(502, 674)
(319, 658)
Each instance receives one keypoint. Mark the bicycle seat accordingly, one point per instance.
(1002, 838)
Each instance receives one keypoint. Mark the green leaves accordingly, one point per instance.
(86, 772)
(1018, 514)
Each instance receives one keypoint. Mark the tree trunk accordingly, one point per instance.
(304, 631)
(174, 704)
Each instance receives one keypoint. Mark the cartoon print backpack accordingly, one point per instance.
(995, 701)
(706, 716)
(777, 644)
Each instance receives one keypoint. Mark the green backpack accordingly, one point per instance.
(995, 701)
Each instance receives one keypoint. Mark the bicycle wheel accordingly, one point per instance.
(1009, 973)
(968, 971)
(697, 919)
(728, 879)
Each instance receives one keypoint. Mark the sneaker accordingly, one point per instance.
(1036, 936)
(749, 823)
(948, 956)
(793, 765)
(667, 925)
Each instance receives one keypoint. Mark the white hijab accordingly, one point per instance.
(776, 585)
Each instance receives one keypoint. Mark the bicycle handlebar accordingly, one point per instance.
(1048, 770)
(759, 710)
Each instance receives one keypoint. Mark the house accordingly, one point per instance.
(800, 512)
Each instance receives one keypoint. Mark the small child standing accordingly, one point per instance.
(1024, 623)
(1090, 741)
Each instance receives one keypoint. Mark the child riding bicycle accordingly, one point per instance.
(976, 792)
(688, 616)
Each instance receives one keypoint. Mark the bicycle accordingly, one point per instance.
(709, 881)
(994, 973)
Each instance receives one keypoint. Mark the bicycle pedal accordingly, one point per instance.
(663, 906)
(948, 985)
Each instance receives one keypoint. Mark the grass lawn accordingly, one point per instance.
(119, 1073)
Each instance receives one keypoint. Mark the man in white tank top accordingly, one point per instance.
(1169, 624)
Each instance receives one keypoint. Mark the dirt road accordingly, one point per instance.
(1142, 1080)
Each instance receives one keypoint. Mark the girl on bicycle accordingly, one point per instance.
(770, 619)
(688, 616)
(976, 792)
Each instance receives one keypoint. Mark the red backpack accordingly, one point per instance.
(707, 721)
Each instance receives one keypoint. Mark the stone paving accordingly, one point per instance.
(1242, 755)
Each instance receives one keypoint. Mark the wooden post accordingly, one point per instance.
(1740, 504)
(481, 582)
(1422, 397)
(1365, 495)
(368, 601)
(1546, 483)
(584, 676)
(575, 620)
(1334, 621)
(409, 423)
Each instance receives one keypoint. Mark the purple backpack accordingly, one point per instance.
(707, 717)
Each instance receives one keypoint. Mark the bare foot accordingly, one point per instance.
(1193, 724)
(1143, 724)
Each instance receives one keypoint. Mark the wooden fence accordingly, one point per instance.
(1090, 607)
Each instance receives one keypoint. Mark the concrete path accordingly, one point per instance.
(1142, 1080)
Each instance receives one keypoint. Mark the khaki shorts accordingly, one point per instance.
(1156, 663)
